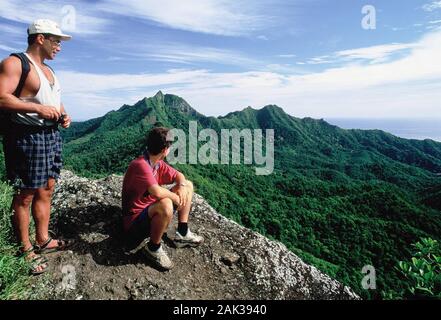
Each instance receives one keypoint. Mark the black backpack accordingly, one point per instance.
(5, 116)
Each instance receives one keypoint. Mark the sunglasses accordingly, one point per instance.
(57, 42)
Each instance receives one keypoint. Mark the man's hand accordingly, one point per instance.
(66, 121)
(48, 113)
(177, 200)
(184, 194)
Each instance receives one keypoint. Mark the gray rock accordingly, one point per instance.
(233, 262)
(230, 258)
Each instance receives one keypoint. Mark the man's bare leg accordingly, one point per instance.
(161, 213)
(184, 237)
(41, 210)
(20, 220)
(20, 216)
(184, 212)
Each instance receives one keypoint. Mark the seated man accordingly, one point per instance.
(148, 207)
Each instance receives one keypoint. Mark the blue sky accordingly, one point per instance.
(312, 58)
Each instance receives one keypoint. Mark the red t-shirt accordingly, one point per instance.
(138, 178)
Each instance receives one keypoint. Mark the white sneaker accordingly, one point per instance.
(189, 240)
(159, 258)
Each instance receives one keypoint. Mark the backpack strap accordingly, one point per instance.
(25, 68)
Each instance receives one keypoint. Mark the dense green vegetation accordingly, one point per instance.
(340, 199)
(14, 271)
(422, 273)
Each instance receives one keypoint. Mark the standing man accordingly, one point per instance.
(32, 145)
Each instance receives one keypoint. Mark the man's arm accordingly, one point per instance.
(10, 73)
(180, 179)
(161, 193)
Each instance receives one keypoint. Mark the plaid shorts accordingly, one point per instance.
(32, 156)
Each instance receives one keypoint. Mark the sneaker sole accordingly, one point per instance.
(180, 244)
(158, 265)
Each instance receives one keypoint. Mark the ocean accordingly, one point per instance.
(419, 129)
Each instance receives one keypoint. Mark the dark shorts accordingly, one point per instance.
(32, 156)
(139, 229)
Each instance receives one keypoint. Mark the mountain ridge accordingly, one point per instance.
(330, 186)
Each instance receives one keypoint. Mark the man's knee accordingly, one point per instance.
(50, 184)
(165, 207)
(49, 187)
(24, 197)
(190, 185)
(46, 191)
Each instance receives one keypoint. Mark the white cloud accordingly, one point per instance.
(409, 86)
(227, 17)
(224, 17)
(86, 20)
(432, 6)
(87, 83)
(181, 53)
(373, 55)
(285, 68)
(8, 48)
(433, 28)
(286, 55)
(11, 30)
(320, 60)
(420, 64)
(375, 52)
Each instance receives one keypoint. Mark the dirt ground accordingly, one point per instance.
(232, 263)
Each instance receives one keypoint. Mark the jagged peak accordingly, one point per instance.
(268, 109)
(275, 110)
(159, 95)
(178, 103)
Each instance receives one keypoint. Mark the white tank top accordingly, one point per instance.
(48, 94)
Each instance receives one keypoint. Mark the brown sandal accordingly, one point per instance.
(36, 262)
(61, 245)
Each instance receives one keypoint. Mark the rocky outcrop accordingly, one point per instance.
(233, 262)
